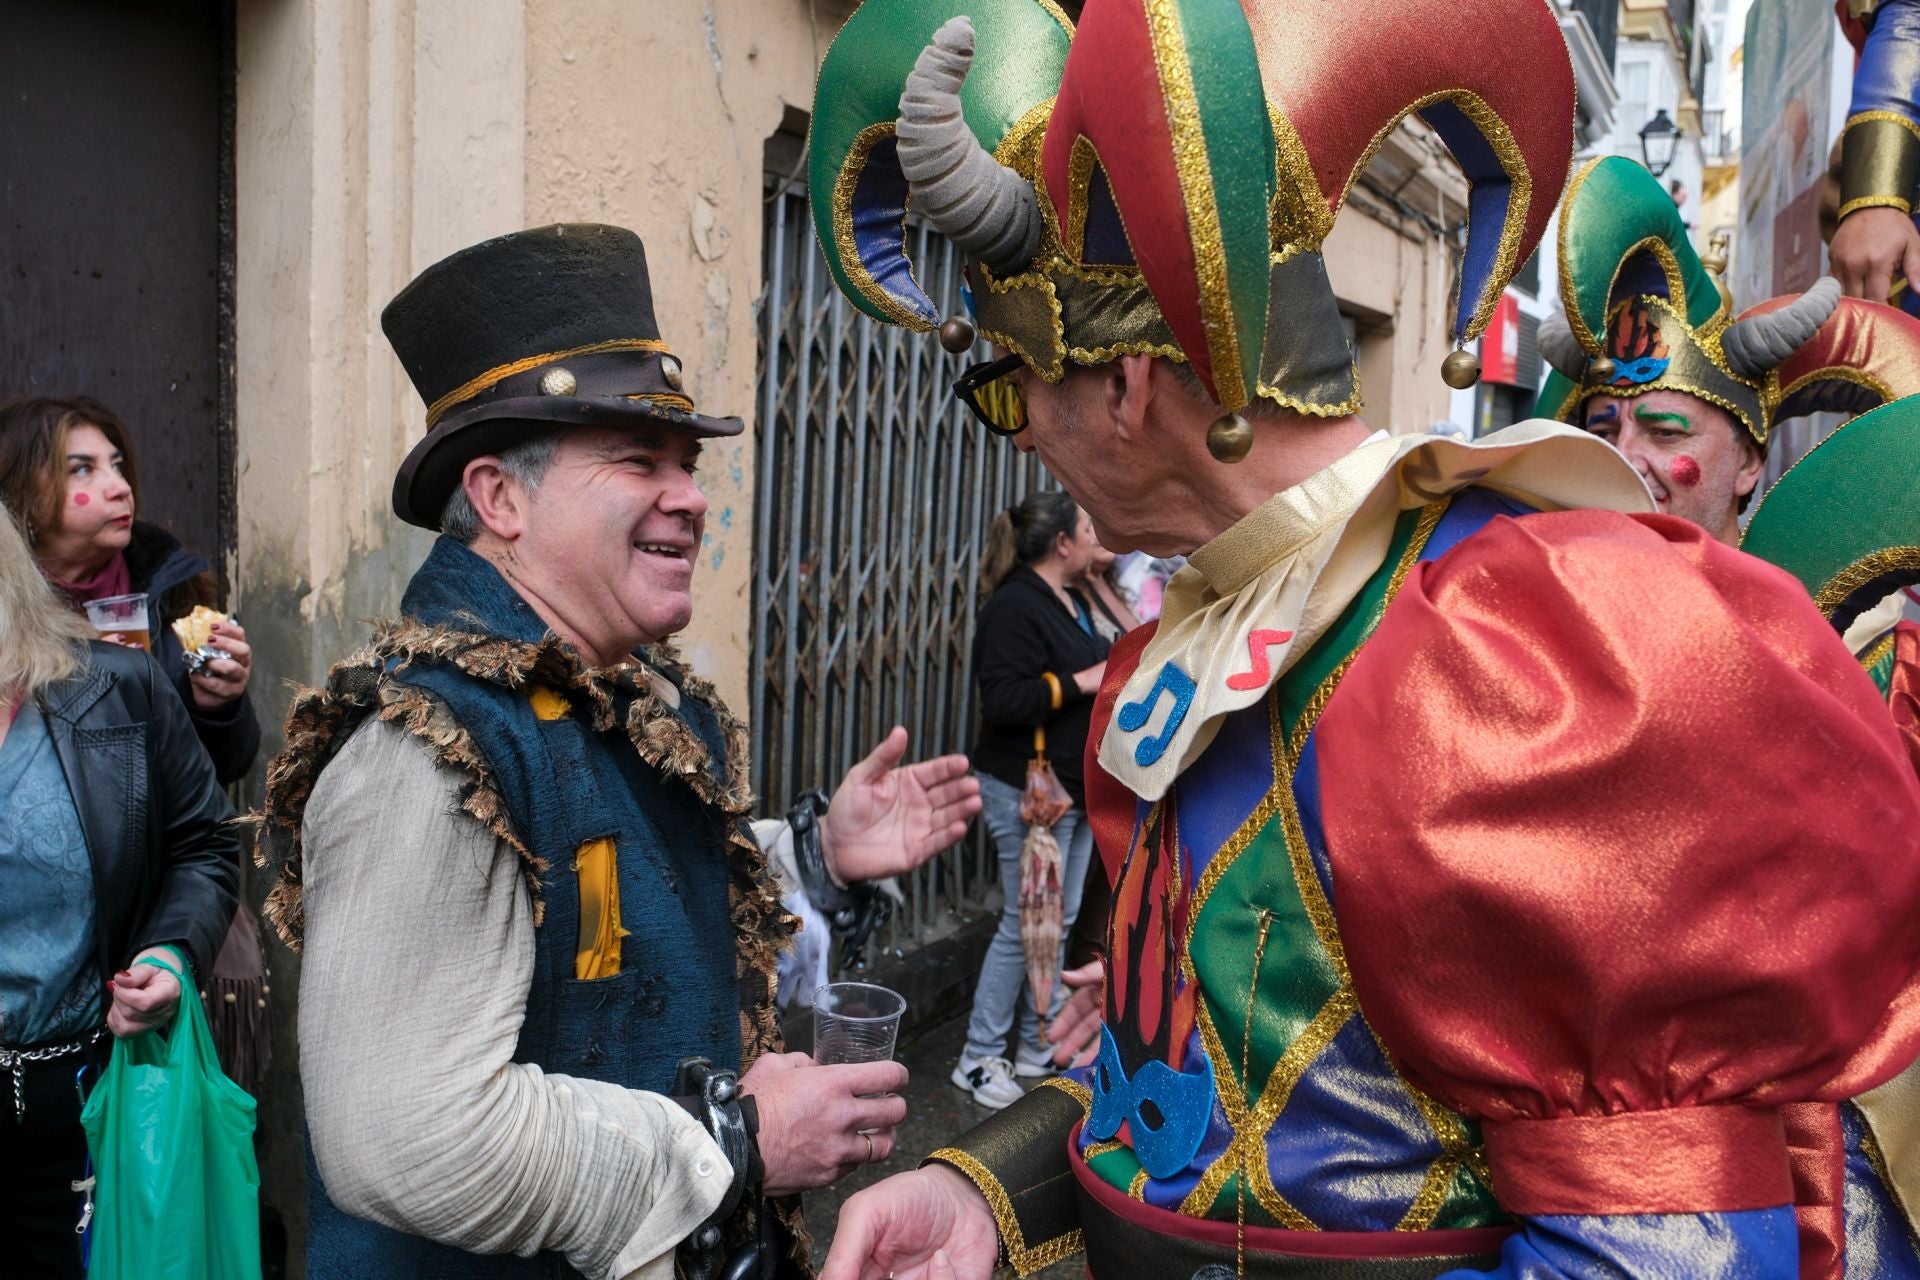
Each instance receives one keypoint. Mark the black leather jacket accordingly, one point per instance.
(166, 861)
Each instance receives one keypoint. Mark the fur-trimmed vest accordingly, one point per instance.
(553, 757)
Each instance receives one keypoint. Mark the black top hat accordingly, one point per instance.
(552, 326)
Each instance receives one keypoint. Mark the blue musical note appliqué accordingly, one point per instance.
(1133, 716)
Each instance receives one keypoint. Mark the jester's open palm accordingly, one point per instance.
(886, 818)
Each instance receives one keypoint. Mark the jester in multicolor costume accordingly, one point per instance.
(1448, 931)
(1648, 355)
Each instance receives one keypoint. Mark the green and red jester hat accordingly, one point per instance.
(1161, 179)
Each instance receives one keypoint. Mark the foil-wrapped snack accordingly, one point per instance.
(195, 632)
(197, 659)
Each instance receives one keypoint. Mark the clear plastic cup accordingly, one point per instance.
(855, 1022)
(121, 617)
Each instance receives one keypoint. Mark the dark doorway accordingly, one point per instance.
(116, 246)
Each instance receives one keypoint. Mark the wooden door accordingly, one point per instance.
(115, 234)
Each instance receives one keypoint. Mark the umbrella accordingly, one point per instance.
(1042, 904)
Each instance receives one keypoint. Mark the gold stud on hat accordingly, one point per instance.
(1230, 438)
(1460, 370)
(558, 381)
(1601, 369)
(670, 370)
(957, 334)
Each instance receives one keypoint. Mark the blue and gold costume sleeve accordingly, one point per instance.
(1880, 151)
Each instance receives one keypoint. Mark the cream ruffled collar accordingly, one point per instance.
(1256, 598)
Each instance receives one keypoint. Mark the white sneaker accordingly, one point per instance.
(1034, 1064)
(989, 1080)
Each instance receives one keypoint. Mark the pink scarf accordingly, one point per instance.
(112, 580)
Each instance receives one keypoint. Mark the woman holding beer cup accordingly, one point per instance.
(67, 476)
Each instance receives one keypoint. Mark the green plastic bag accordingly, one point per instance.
(176, 1188)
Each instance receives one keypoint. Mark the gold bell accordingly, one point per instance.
(1230, 438)
(957, 334)
(670, 370)
(1601, 369)
(1460, 370)
(558, 381)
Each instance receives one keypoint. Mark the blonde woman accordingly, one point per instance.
(113, 844)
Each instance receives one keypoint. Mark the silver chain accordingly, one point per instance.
(15, 1061)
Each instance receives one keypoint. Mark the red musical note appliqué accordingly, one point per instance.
(1258, 642)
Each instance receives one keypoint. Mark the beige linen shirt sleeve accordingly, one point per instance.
(419, 956)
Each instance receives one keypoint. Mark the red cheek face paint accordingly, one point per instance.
(81, 499)
(1685, 472)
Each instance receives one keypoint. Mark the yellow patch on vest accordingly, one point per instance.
(548, 705)
(597, 954)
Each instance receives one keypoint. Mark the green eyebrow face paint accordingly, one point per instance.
(1665, 419)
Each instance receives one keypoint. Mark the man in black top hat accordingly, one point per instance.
(512, 832)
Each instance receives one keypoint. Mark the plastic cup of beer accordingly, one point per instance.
(855, 1022)
(122, 618)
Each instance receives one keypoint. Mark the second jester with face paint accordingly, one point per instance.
(1649, 356)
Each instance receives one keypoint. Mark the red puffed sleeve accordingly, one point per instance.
(1626, 856)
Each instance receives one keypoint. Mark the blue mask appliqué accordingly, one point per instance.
(1183, 1101)
(1640, 371)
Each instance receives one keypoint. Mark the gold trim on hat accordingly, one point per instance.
(851, 169)
(1180, 100)
(500, 373)
(667, 399)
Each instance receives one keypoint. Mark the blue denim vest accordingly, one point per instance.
(565, 784)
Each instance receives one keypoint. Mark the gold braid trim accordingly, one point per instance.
(1878, 652)
(1500, 140)
(1885, 117)
(1024, 1260)
(666, 399)
(1873, 202)
(848, 250)
(1862, 572)
(499, 373)
(1072, 1088)
(1167, 36)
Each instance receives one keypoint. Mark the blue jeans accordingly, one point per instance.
(1003, 976)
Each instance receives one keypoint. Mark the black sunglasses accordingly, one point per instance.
(991, 392)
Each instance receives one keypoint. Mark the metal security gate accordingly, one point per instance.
(875, 490)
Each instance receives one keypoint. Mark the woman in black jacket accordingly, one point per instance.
(67, 475)
(1037, 658)
(113, 844)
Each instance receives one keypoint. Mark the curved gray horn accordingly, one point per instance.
(981, 205)
(1562, 350)
(1758, 344)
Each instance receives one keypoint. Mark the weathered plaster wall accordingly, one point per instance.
(655, 115)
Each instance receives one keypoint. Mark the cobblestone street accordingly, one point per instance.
(936, 1112)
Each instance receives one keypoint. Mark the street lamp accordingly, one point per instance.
(1658, 138)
